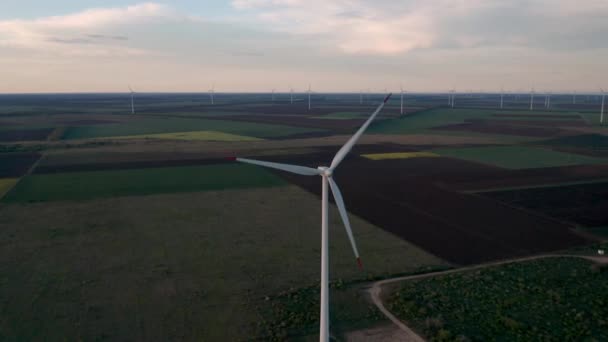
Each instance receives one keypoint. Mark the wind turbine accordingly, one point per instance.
(326, 178)
(532, 99)
(212, 93)
(132, 100)
(453, 98)
(602, 110)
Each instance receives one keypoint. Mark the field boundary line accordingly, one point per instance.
(375, 291)
(29, 172)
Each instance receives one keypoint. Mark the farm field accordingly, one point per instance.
(545, 299)
(94, 184)
(519, 157)
(172, 125)
(195, 135)
(177, 266)
(585, 204)
(457, 227)
(138, 227)
(16, 164)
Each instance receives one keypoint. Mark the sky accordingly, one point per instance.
(333, 45)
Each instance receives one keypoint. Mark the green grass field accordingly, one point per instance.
(88, 185)
(203, 266)
(171, 125)
(518, 157)
(543, 300)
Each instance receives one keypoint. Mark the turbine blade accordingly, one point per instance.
(300, 170)
(335, 190)
(353, 140)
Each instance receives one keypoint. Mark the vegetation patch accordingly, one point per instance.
(156, 125)
(561, 299)
(399, 155)
(6, 184)
(178, 266)
(88, 185)
(195, 135)
(519, 157)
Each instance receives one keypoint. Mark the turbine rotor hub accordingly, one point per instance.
(327, 172)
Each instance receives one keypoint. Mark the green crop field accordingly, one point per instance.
(420, 122)
(588, 141)
(196, 135)
(172, 125)
(553, 299)
(88, 185)
(518, 157)
(203, 266)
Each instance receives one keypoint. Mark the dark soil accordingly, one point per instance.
(405, 197)
(585, 204)
(25, 134)
(16, 164)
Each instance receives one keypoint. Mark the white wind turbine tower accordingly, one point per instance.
(532, 99)
(212, 93)
(326, 178)
(132, 100)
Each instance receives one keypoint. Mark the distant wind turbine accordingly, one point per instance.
(132, 100)
(212, 93)
(453, 98)
(326, 174)
(532, 99)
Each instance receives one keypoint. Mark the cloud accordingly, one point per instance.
(52, 34)
(388, 28)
